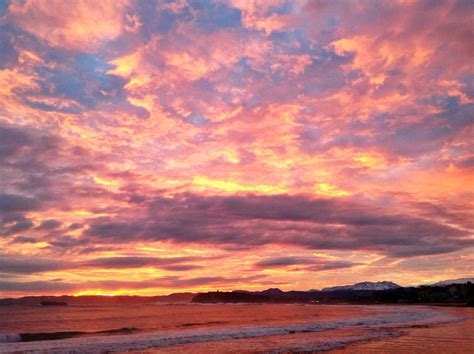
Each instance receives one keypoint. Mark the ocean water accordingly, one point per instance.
(209, 328)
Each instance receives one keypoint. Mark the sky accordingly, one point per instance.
(150, 147)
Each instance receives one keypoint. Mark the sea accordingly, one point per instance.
(232, 328)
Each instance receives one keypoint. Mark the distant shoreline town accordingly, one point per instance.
(458, 292)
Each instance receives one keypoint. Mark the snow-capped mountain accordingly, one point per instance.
(366, 285)
(454, 281)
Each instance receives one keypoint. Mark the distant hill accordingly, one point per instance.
(361, 293)
(272, 292)
(230, 297)
(367, 285)
(99, 300)
(454, 281)
(457, 291)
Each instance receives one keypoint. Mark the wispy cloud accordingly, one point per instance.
(194, 143)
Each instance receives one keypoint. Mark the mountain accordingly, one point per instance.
(366, 285)
(272, 292)
(460, 294)
(454, 281)
(230, 297)
(361, 293)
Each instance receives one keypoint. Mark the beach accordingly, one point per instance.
(457, 337)
(453, 337)
(175, 328)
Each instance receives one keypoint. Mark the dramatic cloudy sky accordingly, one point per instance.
(149, 147)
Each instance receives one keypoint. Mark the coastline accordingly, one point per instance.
(368, 327)
(450, 337)
(456, 337)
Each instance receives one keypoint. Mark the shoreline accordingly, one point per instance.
(367, 322)
(457, 337)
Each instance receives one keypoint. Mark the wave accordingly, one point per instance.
(386, 324)
(47, 336)
(192, 324)
(10, 337)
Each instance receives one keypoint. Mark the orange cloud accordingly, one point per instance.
(81, 25)
(286, 135)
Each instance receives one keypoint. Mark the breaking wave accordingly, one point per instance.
(386, 324)
(33, 337)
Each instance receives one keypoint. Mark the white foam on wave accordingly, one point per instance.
(9, 337)
(389, 317)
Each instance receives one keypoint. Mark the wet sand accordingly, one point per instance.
(455, 337)
(447, 338)
(249, 328)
